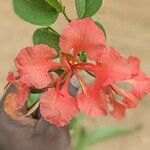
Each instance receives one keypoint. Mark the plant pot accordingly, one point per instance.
(31, 134)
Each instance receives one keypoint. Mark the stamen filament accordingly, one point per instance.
(121, 92)
(111, 94)
(65, 87)
(82, 83)
(85, 64)
(66, 63)
(58, 80)
(118, 91)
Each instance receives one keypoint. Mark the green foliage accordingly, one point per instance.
(82, 57)
(46, 36)
(59, 72)
(37, 12)
(101, 134)
(91, 7)
(33, 99)
(78, 131)
(101, 27)
(80, 7)
(45, 13)
(87, 8)
(82, 138)
(56, 4)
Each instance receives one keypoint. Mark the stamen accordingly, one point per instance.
(88, 67)
(58, 80)
(65, 87)
(66, 63)
(75, 62)
(82, 83)
(81, 64)
(111, 94)
(121, 92)
(70, 61)
(117, 90)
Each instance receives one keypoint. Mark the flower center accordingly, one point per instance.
(68, 60)
(73, 62)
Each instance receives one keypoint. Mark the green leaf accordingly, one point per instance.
(82, 57)
(33, 109)
(91, 7)
(59, 71)
(102, 134)
(56, 4)
(46, 36)
(80, 8)
(52, 30)
(33, 99)
(75, 123)
(101, 27)
(37, 12)
(78, 131)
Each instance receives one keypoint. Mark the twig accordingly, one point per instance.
(67, 18)
(64, 13)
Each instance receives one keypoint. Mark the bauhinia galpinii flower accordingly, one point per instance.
(37, 67)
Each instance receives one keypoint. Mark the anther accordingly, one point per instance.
(70, 61)
(75, 62)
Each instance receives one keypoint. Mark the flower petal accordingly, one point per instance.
(92, 102)
(134, 64)
(58, 109)
(112, 67)
(10, 77)
(21, 94)
(83, 35)
(118, 110)
(10, 105)
(34, 63)
(141, 87)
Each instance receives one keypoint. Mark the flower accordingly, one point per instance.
(33, 64)
(83, 35)
(105, 64)
(57, 108)
(22, 90)
(113, 69)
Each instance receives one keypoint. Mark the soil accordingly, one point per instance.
(127, 24)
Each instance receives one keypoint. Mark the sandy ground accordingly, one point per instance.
(127, 23)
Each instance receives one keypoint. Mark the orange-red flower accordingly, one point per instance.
(105, 64)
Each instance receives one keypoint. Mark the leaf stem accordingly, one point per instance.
(67, 18)
(64, 12)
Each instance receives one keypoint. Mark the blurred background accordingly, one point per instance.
(127, 24)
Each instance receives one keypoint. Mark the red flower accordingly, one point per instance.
(59, 108)
(92, 102)
(109, 68)
(22, 90)
(141, 87)
(33, 64)
(121, 70)
(112, 67)
(83, 35)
